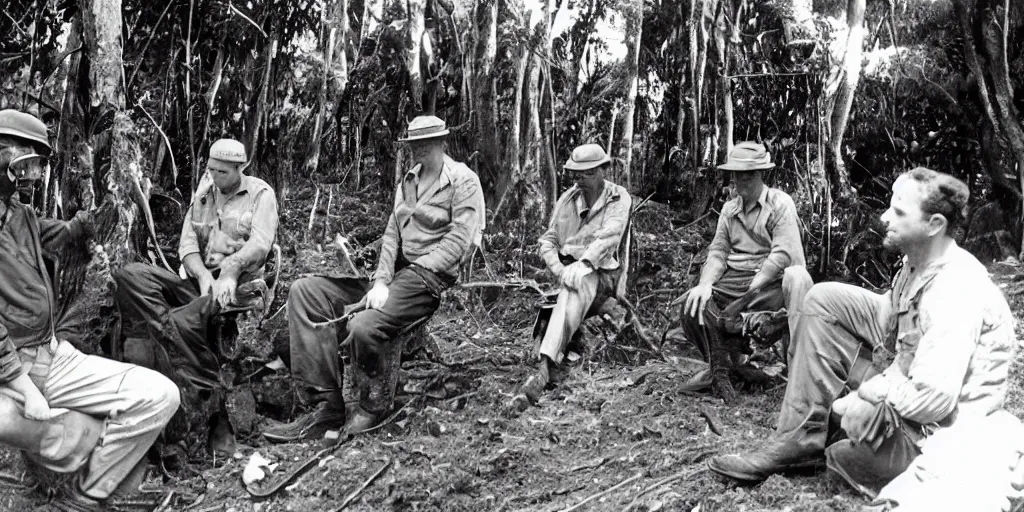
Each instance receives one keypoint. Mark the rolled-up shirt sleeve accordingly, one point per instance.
(951, 325)
(718, 251)
(10, 363)
(455, 244)
(786, 246)
(548, 243)
(189, 242)
(261, 236)
(385, 271)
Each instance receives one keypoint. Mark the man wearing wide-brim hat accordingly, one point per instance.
(755, 263)
(582, 249)
(436, 221)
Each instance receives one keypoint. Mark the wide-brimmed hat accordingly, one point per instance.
(425, 127)
(748, 156)
(587, 157)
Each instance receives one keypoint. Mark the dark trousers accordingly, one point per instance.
(371, 335)
(165, 322)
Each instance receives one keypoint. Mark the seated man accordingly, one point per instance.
(228, 231)
(46, 373)
(948, 324)
(755, 263)
(437, 215)
(581, 250)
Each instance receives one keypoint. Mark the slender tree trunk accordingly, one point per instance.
(252, 136)
(634, 28)
(723, 88)
(328, 27)
(415, 28)
(515, 157)
(487, 99)
(535, 204)
(851, 70)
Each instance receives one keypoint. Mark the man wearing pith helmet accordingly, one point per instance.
(581, 249)
(755, 263)
(227, 233)
(67, 410)
(437, 217)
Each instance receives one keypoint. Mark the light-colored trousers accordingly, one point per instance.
(135, 403)
(570, 310)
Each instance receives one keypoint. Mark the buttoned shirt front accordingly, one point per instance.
(232, 232)
(437, 229)
(764, 238)
(588, 233)
(953, 337)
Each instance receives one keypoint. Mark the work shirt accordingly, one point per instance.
(765, 239)
(231, 232)
(952, 332)
(588, 233)
(435, 230)
(28, 302)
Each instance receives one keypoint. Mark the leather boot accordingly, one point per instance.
(755, 466)
(360, 421)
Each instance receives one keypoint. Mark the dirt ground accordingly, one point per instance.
(624, 430)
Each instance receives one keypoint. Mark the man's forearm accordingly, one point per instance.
(24, 386)
(194, 266)
(713, 269)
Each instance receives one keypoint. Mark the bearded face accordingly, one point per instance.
(21, 168)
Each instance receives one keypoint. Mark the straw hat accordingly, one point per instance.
(748, 156)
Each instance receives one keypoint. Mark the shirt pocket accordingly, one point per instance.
(435, 213)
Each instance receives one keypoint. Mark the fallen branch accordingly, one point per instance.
(712, 419)
(351, 497)
(688, 473)
(504, 284)
(346, 313)
(299, 470)
(604, 492)
(698, 219)
(590, 465)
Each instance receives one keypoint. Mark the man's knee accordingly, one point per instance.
(129, 273)
(796, 279)
(159, 393)
(821, 297)
(363, 326)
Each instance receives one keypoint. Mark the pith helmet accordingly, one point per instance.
(24, 126)
(228, 150)
(587, 157)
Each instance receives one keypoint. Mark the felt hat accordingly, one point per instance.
(748, 156)
(228, 150)
(586, 157)
(425, 127)
(24, 126)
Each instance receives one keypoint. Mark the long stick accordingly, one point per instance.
(167, 141)
(669, 479)
(351, 497)
(312, 213)
(604, 492)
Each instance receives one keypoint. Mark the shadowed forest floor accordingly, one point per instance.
(617, 418)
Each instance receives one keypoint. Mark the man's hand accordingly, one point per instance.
(557, 270)
(696, 300)
(875, 390)
(223, 290)
(856, 413)
(36, 407)
(573, 275)
(377, 296)
(206, 281)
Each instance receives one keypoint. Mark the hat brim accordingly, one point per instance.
(738, 166)
(572, 165)
(434, 135)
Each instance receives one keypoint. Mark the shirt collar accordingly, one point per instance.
(738, 207)
(608, 194)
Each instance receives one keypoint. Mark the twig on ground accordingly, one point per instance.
(590, 465)
(197, 502)
(464, 395)
(165, 503)
(604, 492)
(351, 497)
(391, 418)
(503, 284)
(686, 473)
(712, 419)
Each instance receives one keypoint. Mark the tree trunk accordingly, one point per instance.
(485, 87)
(252, 136)
(723, 87)
(514, 156)
(700, 20)
(328, 27)
(415, 28)
(850, 76)
(550, 136)
(535, 204)
(634, 15)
